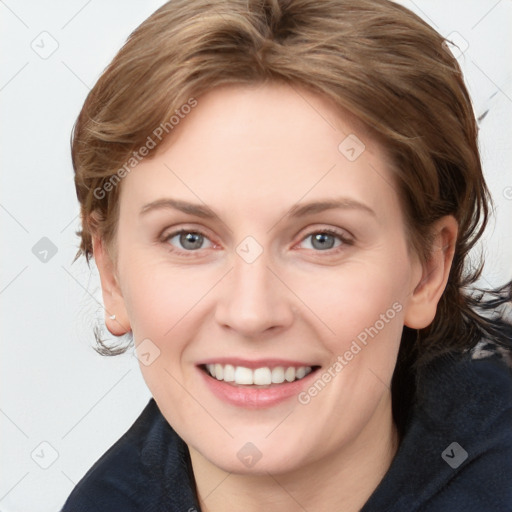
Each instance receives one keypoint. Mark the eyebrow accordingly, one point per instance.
(296, 211)
(331, 204)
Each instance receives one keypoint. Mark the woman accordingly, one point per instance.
(280, 197)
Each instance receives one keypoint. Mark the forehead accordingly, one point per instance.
(265, 145)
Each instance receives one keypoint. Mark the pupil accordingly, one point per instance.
(324, 240)
(191, 240)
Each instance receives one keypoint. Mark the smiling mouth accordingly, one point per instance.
(264, 376)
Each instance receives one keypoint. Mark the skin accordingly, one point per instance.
(251, 154)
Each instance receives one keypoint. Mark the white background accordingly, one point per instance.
(55, 389)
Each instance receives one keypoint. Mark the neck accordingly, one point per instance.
(342, 481)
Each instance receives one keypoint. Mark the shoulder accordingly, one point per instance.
(132, 474)
(472, 387)
(456, 454)
(477, 413)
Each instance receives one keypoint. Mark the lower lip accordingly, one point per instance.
(252, 397)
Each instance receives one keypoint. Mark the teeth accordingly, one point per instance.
(300, 373)
(260, 376)
(263, 376)
(242, 375)
(229, 373)
(277, 375)
(289, 374)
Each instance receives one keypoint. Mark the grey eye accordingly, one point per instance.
(188, 240)
(191, 240)
(322, 241)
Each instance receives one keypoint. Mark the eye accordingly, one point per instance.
(187, 240)
(325, 240)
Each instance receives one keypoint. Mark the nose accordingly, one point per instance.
(253, 300)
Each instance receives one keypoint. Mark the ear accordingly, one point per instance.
(427, 291)
(112, 295)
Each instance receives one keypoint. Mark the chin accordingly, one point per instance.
(258, 458)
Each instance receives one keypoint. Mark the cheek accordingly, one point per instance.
(158, 296)
(356, 299)
(161, 303)
(362, 307)
(167, 306)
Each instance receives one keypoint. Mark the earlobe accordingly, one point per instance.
(426, 293)
(116, 318)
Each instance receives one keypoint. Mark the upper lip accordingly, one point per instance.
(256, 363)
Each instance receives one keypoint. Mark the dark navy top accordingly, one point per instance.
(456, 453)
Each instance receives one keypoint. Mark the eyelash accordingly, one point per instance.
(190, 253)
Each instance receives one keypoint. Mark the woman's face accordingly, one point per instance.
(265, 243)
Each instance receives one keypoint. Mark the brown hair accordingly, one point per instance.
(372, 58)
